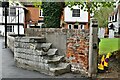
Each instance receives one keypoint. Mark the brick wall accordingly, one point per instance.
(77, 49)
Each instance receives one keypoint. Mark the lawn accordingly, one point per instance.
(109, 45)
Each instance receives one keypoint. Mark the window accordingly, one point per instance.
(9, 28)
(116, 17)
(110, 18)
(41, 13)
(113, 17)
(43, 25)
(75, 26)
(76, 13)
(13, 28)
(81, 26)
(12, 12)
(4, 12)
(70, 26)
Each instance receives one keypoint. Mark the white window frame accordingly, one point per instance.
(71, 26)
(83, 26)
(41, 13)
(40, 24)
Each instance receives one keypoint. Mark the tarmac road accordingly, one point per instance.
(0, 58)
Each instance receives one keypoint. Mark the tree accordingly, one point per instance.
(52, 10)
(91, 7)
(102, 15)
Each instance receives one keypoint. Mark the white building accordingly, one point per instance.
(12, 18)
(76, 18)
(115, 19)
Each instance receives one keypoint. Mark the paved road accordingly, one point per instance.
(9, 70)
(0, 57)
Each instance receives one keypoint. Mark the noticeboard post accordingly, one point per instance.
(93, 48)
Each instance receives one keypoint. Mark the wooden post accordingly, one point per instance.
(93, 48)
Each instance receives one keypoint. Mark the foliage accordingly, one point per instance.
(53, 10)
(37, 4)
(102, 15)
(89, 6)
(52, 13)
(100, 9)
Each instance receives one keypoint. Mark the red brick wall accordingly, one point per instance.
(33, 14)
(77, 49)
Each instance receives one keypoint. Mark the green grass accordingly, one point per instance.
(109, 45)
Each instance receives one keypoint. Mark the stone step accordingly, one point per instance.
(22, 50)
(41, 46)
(52, 52)
(30, 39)
(39, 58)
(60, 69)
(43, 59)
(55, 59)
(43, 68)
(29, 51)
(46, 46)
(39, 53)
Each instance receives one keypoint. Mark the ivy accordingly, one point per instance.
(52, 13)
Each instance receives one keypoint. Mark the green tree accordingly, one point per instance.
(52, 10)
(91, 7)
(102, 15)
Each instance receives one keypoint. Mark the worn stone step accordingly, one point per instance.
(46, 46)
(43, 68)
(52, 52)
(39, 53)
(22, 45)
(55, 59)
(29, 51)
(22, 50)
(37, 58)
(60, 69)
(41, 46)
(30, 39)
